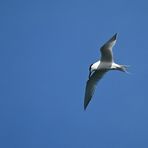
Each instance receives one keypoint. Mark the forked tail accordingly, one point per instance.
(124, 68)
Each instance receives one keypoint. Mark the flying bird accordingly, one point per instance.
(99, 68)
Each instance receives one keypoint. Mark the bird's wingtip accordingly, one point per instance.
(115, 36)
(116, 33)
(85, 106)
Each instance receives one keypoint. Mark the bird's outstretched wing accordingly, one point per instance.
(106, 49)
(90, 86)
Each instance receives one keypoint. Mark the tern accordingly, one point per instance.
(99, 68)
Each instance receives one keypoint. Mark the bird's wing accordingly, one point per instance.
(106, 49)
(90, 86)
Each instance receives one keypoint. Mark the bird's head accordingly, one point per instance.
(90, 70)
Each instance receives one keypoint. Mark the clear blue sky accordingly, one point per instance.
(46, 48)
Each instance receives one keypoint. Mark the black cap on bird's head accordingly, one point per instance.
(90, 70)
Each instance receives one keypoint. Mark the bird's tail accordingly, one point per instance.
(124, 68)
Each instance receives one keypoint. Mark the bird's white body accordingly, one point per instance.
(99, 68)
(95, 66)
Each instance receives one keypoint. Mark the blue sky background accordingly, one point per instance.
(46, 48)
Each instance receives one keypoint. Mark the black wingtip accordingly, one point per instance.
(114, 37)
(116, 34)
(85, 105)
